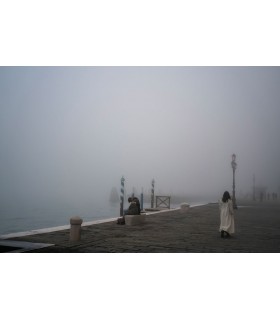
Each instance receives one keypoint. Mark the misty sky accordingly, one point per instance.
(72, 132)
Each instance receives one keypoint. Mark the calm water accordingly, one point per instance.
(26, 219)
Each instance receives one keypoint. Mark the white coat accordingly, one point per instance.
(226, 216)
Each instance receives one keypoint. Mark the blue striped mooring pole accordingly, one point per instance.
(122, 196)
(152, 193)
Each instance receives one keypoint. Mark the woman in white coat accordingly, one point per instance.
(226, 215)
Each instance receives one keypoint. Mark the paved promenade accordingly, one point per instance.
(257, 230)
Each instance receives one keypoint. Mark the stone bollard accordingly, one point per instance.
(184, 208)
(75, 229)
(131, 220)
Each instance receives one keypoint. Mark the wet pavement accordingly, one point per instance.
(257, 230)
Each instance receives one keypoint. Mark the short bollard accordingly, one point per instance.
(184, 207)
(135, 219)
(75, 230)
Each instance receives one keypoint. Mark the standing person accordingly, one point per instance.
(226, 215)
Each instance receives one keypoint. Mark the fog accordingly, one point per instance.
(68, 134)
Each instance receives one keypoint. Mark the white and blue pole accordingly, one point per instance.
(122, 196)
(152, 193)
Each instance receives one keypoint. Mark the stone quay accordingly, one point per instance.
(194, 230)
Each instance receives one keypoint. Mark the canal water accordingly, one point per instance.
(38, 217)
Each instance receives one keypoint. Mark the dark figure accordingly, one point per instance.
(136, 200)
(132, 209)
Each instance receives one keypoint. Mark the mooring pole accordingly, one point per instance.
(254, 188)
(142, 200)
(122, 196)
(152, 193)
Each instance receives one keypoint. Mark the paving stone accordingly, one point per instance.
(257, 230)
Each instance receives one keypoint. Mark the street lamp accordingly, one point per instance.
(233, 165)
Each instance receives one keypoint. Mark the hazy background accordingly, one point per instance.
(147, 33)
(68, 134)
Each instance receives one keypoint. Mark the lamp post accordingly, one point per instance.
(233, 165)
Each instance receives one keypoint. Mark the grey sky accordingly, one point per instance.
(70, 132)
